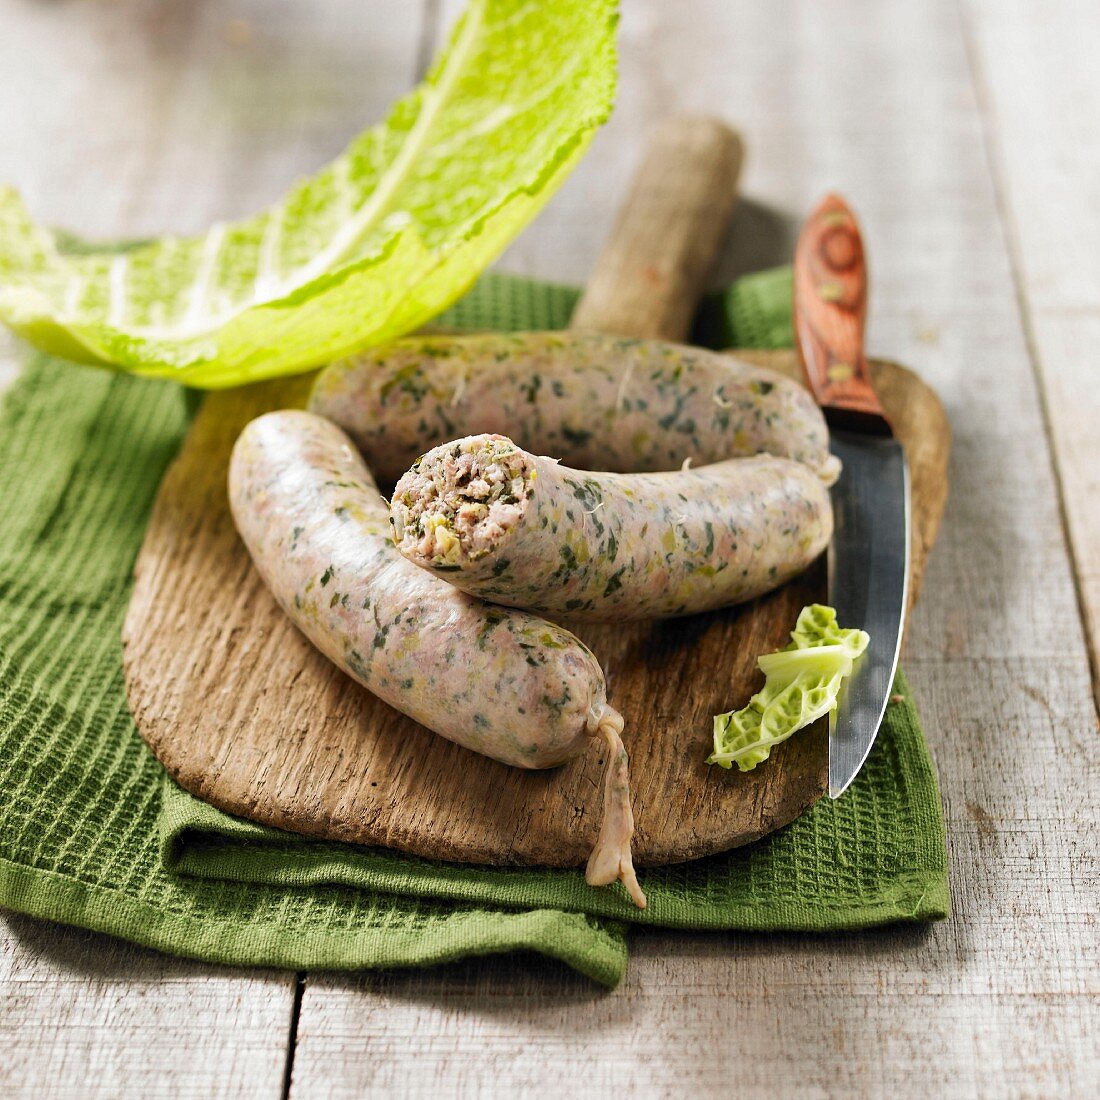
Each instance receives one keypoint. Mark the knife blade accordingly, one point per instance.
(868, 558)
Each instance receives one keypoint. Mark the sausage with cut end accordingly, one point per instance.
(501, 682)
(596, 402)
(517, 529)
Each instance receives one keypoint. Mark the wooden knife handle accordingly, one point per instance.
(653, 269)
(830, 313)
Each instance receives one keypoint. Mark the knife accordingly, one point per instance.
(869, 554)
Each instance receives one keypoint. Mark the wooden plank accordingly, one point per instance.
(892, 1012)
(1039, 83)
(875, 101)
(123, 120)
(90, 1016)
(130, 119)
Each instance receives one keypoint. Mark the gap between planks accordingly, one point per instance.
(292, 1033)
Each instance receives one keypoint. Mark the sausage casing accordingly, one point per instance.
(596, 402)
(522, 530)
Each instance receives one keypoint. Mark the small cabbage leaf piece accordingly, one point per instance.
(368, 248)
(802, 683)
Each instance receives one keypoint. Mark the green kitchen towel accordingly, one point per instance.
(92, 833)
(865, 861)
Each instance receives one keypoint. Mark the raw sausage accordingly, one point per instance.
(596, 402)
(501, 682)
(517, 529)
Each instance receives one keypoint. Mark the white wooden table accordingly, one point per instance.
(968, 136)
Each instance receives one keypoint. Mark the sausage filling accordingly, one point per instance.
(459, 505)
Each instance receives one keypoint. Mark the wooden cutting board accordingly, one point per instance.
(247, 715)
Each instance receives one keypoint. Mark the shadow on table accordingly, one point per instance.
(760, 236)
(663, 963)
(76, 952)
(522, 987)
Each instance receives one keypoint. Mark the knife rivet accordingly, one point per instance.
(840, 372)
